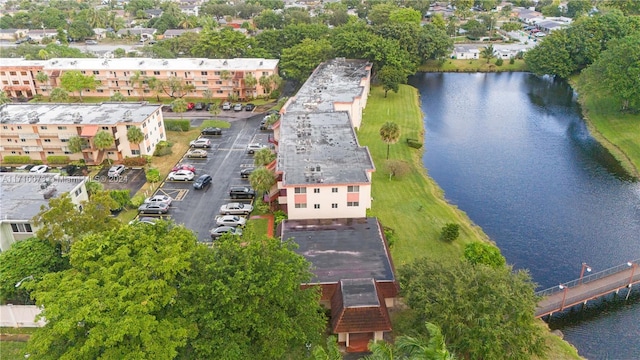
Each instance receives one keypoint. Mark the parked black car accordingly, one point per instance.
(211, 131)
(209, 106)
(249, 107)
(242, 192)
(202, 182)
(199, 106)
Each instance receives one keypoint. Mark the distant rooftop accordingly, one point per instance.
(341, 248)
(96, 114)
(317, 143)
(145, 64)
(359, 292)
(22, 194)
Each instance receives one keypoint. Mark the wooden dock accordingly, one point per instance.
(587, 288)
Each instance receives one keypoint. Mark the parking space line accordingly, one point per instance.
(175, 194)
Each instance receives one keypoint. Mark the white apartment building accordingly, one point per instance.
(322, 171)
(39, 130)
(22, 195)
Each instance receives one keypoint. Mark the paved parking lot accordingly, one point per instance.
(196, 209)
(130, 179)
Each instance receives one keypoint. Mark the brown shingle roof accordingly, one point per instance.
(357, 307)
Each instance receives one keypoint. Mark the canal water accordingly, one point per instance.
(512, 151)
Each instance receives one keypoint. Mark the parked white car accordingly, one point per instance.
(230, 220)
(181, 175)
(159, 198)
(200, 143)
(39, 169)
(116, 170)
(236, 208)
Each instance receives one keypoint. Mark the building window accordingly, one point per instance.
(83, 72)
(300, 190)
(5, 82)
(216, 73)
(21, 228)
(105, 128)
(203, 73)
(23, 73)
(334, 190)
(148, 148)
(12, 73)
(353, 203)
(62, 128)
(64, 140)
(143, 73)
(265, 73)
(316, 206)
(316, 191)
(50, 152)
(205, 83)
(43, 128)
(218, 82)
(135, 152)
(19, 127)
(67, 152)
(354, 188)
(96, 72)
(219, 91)
(16, 82)
(301, 206)
(23, 140)
(25, 82)
(5, 127)
(78, 192)
(47, 140)
(334, 206)
(100, 90)
(156, 73)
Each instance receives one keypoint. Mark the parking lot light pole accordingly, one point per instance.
(564, 296)
(584, 267)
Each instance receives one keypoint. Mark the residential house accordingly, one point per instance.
(526, 15)
(39, 130)
(174, 33)
(141, 33)
(13, 34)
(352, 265)
(39, 35)
(321, 169)
(223, 77)
(22, 195)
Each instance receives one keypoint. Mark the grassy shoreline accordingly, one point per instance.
(414, 205)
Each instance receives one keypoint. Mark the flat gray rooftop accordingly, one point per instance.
(341, 248)
(21, 194)
(49, 113)
(318, 144)
(359, 292)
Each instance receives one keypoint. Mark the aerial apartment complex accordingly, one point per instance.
(136, 77)
(39, 130)
(322, 170)
(324, 185)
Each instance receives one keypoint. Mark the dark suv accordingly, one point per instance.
(242, 192)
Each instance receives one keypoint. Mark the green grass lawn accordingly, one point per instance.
(412, 205)
(480, 65)
(620, 133)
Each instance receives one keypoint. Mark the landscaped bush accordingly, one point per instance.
(135, 161)
(137, 200)
(17, 159)
(163, 148)
(414, 143)
(278, 216)
(57, 159)
(450, 232)
(177, 125)
(390, 235)
(499, 62)
(153, 175)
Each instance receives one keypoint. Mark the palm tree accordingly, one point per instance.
(263, 157)
(188, 22)
(488, 52)
(381, 350)
(331, 353)
(76, 143)
(154, 84)
(390, 133)
(103, 140)
(138, 79)
(265, 82)
(4, 98)
(250, 81)
(135, 135)
(434, 348)
(59, 95)
(179, 106)
(42, 78)
(43, 54)
(262, 180)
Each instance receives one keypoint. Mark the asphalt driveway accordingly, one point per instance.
(130, 179)
(196, 209)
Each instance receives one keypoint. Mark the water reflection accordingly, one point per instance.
(512, 151)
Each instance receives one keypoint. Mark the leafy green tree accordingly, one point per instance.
(30, 258)
(173, 87)
(153, 175)
(382, 350)
(224, 44)
(434, 43)
(63, 223)
(4, 98)
(80, 30)
(475, 28)
(488, 52)
(118, 299)
(391, 78)
(93, 187)
(380, 13)
(389, 133)
(59, 95)
(74, 80)
(121, 197)
(577, 8)
(483, 253)
(262, 180)
(405, 15)
(269, 19)
(239, 289)
(617, 72)
(117, 96)
(263, 157)
(299, 61)
(135, 135)
(103, 141)
(450, 232)
(76, 144)
(551, 56)
(179, 106)
(331, 352)
(397, 168)
(475, 305)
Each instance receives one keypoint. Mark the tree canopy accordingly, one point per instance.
(475, 305)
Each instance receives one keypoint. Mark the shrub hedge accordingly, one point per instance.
(58, 159)
(135, 161)
(177, 125)
(414, 143)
